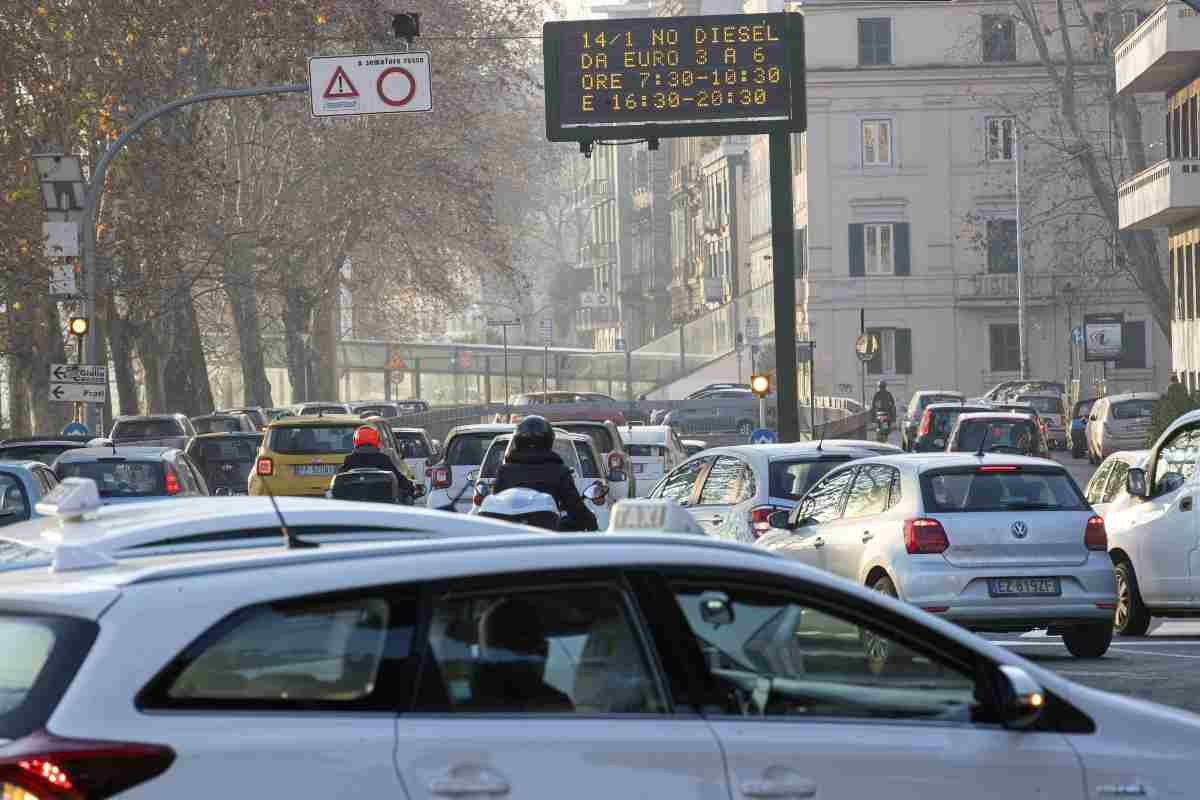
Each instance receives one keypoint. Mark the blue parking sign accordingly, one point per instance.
(763, 436)
(75, 429)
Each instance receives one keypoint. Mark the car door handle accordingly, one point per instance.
(818, 542)
(867, 536)
(780, 790)
(479, 784)
(715, 520)
(1185, 503)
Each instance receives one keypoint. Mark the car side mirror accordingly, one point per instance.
(617, 476)
(1135, 483)
(596, 493)
(716, 608)
(472, 476)
(1020, 699)
(779, 519)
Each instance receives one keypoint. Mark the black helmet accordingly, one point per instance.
(882, 385)
(533, 433)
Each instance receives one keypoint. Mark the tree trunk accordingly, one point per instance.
(186, 386)
(242, 292)
(18, 396)
(297, 311)
(120, 340)
(148, 346)
(324, 344)
(49, 416)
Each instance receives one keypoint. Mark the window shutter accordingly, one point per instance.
(799, 237)
(875, 365)
(997, 347)
(858, 260)
(903, 258)
(903, 350)
(1133, 346)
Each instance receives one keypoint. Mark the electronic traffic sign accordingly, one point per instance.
(674, 76)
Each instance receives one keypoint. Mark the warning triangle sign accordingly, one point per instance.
(340, 86)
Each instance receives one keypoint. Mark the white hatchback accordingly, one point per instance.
(994, 543)
(494, 665)
(654, 450)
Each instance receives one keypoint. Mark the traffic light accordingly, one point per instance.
(760, 385)
(78, 326)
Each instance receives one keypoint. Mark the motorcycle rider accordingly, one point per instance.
(367, 454)
(883, 401)
(531, 463)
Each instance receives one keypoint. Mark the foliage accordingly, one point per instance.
(1173, 405)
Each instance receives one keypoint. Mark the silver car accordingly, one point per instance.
(731, 491)
(1119, 422)
(995, 542)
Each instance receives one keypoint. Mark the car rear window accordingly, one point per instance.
(311, 439)
(1084, 407)
(1013, 435)
(45, 453)
(146, 429)
(983, 489)
(314, 410)
(943, 420)
(118, 477)
(14, 505)
(412, 445)
(467, 449)
(225, 461)
(1044, 405)
(645, 450)
(600, 435)
(217, 425)
(491, 462)
(376, 411)
(39, 656)
(930, 399)
(1133, 409)
(792, 479)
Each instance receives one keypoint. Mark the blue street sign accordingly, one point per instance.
(763, 436)
(75, 429)
(620, 345)
(1077, 335)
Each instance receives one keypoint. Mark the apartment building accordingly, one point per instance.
(1162, 57)
(906, 199)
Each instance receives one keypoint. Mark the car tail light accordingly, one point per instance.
(616, 462)
(48, 767)
(759, 519)
(925, 536)
(999, 468)
(440, 477)
(265, 466)
(1095, 537)
(171, 480)
(926, 420)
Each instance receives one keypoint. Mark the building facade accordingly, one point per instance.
(908, 208)
(1162, 56)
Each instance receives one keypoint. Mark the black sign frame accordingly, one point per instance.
(792, 26)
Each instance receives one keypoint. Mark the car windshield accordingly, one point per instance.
(217, 424)
(1133, 409)
(599, 435)
(412, 445)
(311, 439)
(146, 429)
(1019, 489)
(1001, 435)
(45, 453)
(791, 479)
(117, 477)
(14, 505)
(1043, 405)
(645, 450)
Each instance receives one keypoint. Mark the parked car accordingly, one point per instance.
(416, 449)
(1153, 540)
(911, 419)
(1106, 490)
(40, 448)
(654, 450)
(1079, 420)
(998, 432)
(300, 454)
(224, 423)
(388, 408)
(716, 387)
(226, 460)
(565, 406)
(997, 392)
(160, 676)
(995, 543)
(1051, 411)
(693, 446)
(937, 423)
(448, 485)
(1119, 422)
(152, 430)
(134, 474)
(22, 486)
(731, 491)
(720, 411)
(321, 409)
(611, 447)
(576, 451)
(258, 415)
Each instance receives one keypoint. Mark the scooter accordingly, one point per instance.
(372, 486)
(524, 507)
(883, 426)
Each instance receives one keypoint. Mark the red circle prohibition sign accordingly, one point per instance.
(412, 86)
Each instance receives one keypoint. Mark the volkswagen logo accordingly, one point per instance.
(1020, 530)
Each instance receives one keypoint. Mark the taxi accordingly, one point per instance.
(300, 454)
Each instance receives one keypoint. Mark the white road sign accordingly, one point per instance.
(370, 83)
(62, 239)
(77, 393)
(63, 282)
(78, 373)
(547, 331)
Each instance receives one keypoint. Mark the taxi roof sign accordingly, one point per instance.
(71, 499)
(659, 516)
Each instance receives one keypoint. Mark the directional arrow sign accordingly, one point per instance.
(76, 393)
(79, 373)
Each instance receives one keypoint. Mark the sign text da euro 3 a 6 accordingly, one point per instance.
(370, 83)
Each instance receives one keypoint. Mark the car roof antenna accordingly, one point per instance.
(292, 541)
(821, 441)
(987, 434)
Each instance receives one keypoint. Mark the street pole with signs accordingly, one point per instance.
(505, 324)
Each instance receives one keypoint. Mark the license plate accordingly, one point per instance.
(637, 468)
(309, 470)
(1024, 587)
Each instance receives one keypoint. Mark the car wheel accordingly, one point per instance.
(745, 428)
(882, 655)
(1131, 617)
(1089, 641)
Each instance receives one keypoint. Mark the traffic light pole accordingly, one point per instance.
(783, 268)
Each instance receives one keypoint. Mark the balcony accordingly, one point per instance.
(1162, 194)
(598, 317)
(1162, 53)
(989, 289)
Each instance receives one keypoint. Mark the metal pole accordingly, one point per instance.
(812, 392)
(506, 394)
(95, 188)
(545, 372)
(862, 330)
(762, 412)
(783, 255)
(1023, 354)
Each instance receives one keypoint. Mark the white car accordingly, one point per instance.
(732, 491)
(994, 542)
(644, 665)
(1106, 490)
(448, 487)
(654, 451)
(415, 447)
(1154, 534)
